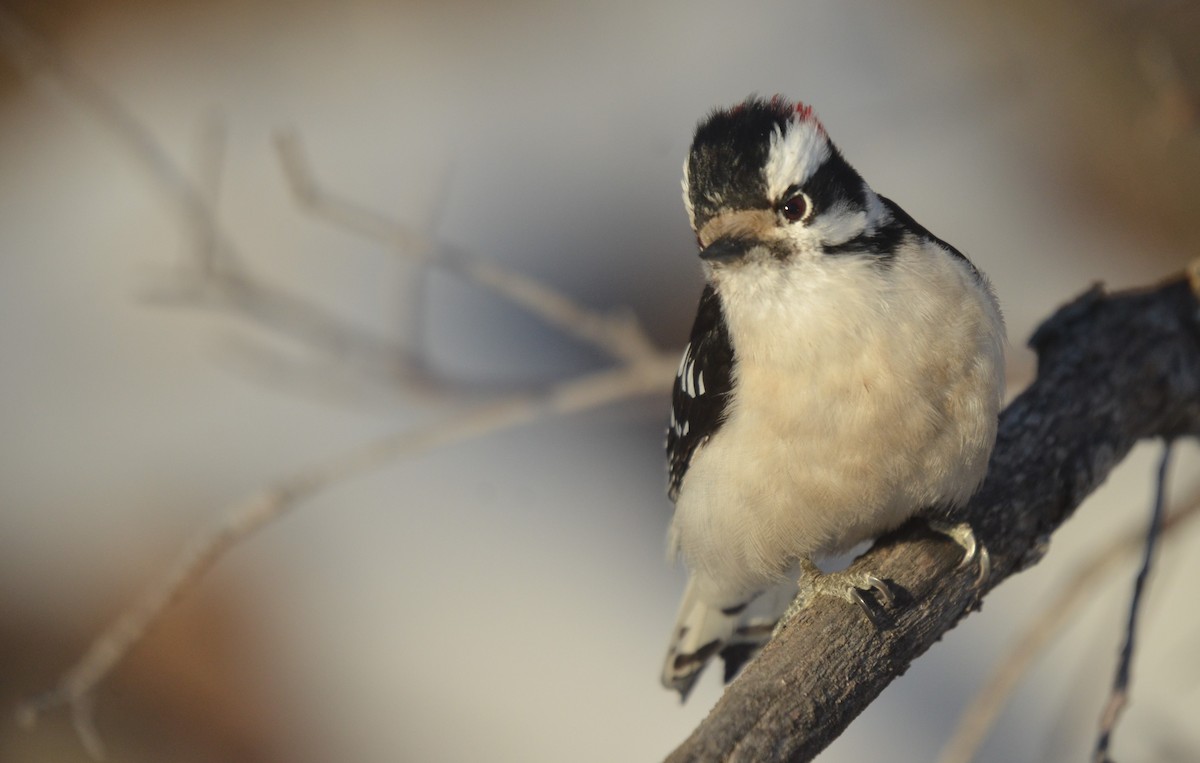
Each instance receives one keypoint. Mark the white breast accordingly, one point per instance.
(864, 392)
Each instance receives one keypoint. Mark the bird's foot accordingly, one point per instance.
(847, 586)
(964, 536)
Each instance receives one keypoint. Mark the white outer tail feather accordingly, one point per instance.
(702, 631)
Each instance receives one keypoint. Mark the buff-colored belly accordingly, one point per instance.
(815, 459)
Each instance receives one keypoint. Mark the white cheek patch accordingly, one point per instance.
(839, 224)
(794, 155)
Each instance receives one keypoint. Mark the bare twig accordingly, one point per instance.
(244, 517)
(210, 166)
(983, 711)
(37, 60)
(290, 315)
(215, 277)
(618, 334)
(218, 280)
(1119, 696)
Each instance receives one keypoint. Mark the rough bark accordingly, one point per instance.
(1112, 370)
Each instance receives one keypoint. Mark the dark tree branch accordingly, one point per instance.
(1112, 370)
(1119, 696)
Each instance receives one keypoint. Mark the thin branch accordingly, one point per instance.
(244, 517)
(617, 334)
(289, 315)
(209, 171)
(37, 60)
(216, 280)
(215, 277)
(1119, 696)
(983, 711)
(1112, 370)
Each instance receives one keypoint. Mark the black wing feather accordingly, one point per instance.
(702, 388)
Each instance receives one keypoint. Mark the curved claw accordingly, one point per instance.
(964, 536)
(882, 588)
(855, 595)
(970, 545)
(843, 585)
(985, 566)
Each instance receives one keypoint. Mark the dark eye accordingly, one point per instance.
(796, 208)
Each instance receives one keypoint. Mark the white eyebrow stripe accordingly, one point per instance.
(796, 151)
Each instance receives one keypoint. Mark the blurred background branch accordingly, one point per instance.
(218, 283)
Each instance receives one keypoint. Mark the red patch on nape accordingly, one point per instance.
(804, 113)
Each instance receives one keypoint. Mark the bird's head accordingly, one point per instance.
(764, 184)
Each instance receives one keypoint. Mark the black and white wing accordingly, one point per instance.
(702, 388)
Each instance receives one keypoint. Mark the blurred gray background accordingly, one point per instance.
(506, 599)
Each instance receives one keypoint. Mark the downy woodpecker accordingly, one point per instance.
(844, 374)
